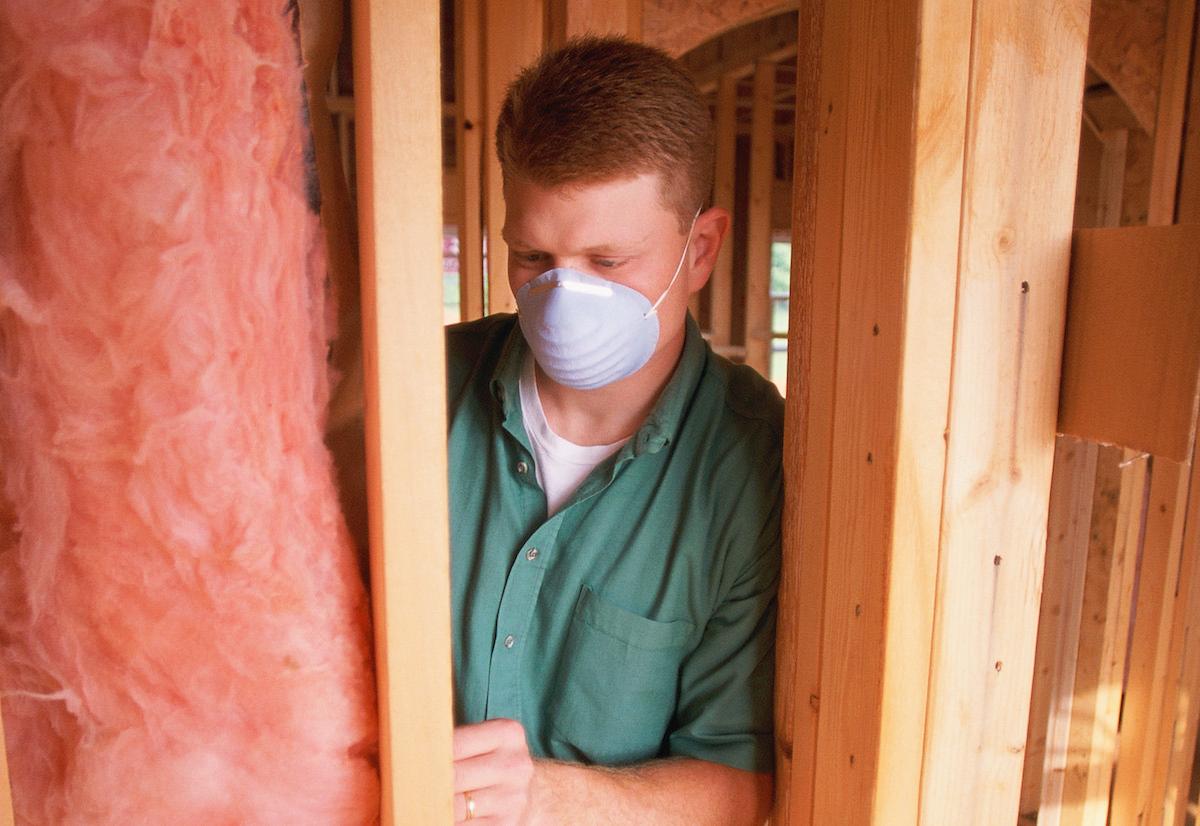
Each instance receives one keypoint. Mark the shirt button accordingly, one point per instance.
(531, 554)
(509, 641)
(522, 468)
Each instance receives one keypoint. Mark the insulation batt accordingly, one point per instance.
(184, 632)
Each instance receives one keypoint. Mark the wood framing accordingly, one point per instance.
(469, 125)
(758, 219)
(396, 60)
(1172, 103)
(7, 818)
(1080, 798)
(925, 239)
(568, 18)
(1072, 489)
(513, 34)
(1134, 794)
(721, 283)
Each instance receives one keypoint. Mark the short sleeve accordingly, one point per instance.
(725, 709)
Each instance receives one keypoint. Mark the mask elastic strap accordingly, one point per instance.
(678, 267)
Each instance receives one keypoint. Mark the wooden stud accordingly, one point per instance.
(570, 18)
(513, 33)
(1072, 490)
(1098, 200)
(1014, 253)
(7, 818)
(1081, 798)
(396, 59)
(1189, 168)
(758, 220)
(721, 283)
(1172, 101)
(1134, 796)
(320, 35)
(1181, 717)
(863, 447)
(468, 77)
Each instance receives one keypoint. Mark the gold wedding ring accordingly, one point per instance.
(470, 805)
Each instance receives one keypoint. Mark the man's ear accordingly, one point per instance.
(711, 230)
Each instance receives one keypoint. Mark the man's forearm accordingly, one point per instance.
(663, 792)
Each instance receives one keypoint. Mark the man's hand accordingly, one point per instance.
(492, 773)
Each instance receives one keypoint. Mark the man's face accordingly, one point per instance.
(619, 230)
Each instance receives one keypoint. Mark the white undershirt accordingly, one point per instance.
(561, 465)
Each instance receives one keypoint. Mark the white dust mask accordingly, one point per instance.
(587, 332)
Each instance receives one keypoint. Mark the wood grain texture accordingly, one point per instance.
(871, 332)
(1125, 47)
(1098, 199)
(1027, 67)
(396, 63)
(514, 34)
(1181, 717)
(1131, 366)
(680, 25)
(1134, 795)
(1072, 489)
(721, 282)
(320, 33)
(6, 804)
(1081, 799)
(758, 220)
(1172, 102)
(571, 18)
(469, 123)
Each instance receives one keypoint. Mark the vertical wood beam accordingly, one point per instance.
(1172, 101)
(1014, 252)
(1072, 489)
(468, 78)
(1134, 796)
(396, 59)
(912, 129)
(513, 33)
(7, 818)
(721, 285)
(1149, 786)
(320, 35)
(758, 219)
(1048, 741)
(1181, 718)
(570, 18)
(876, 208)
(1081, 797)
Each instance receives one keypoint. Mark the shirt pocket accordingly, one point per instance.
(614, 694)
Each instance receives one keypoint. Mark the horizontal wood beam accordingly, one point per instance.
(1131, 364)
(736, 53)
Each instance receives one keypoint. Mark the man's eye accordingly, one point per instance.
(607, 263)
(528, 257)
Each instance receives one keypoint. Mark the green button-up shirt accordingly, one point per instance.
(639, 620)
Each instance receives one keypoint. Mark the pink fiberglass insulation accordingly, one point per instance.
(183, 631)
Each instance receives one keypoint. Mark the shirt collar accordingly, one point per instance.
(665, 418)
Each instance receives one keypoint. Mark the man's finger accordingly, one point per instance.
(488, 736)
(481, 771)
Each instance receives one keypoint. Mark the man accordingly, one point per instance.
(614, 485)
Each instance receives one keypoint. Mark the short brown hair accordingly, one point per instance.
(602, 108)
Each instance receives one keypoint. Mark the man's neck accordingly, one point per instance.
(615, 411)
